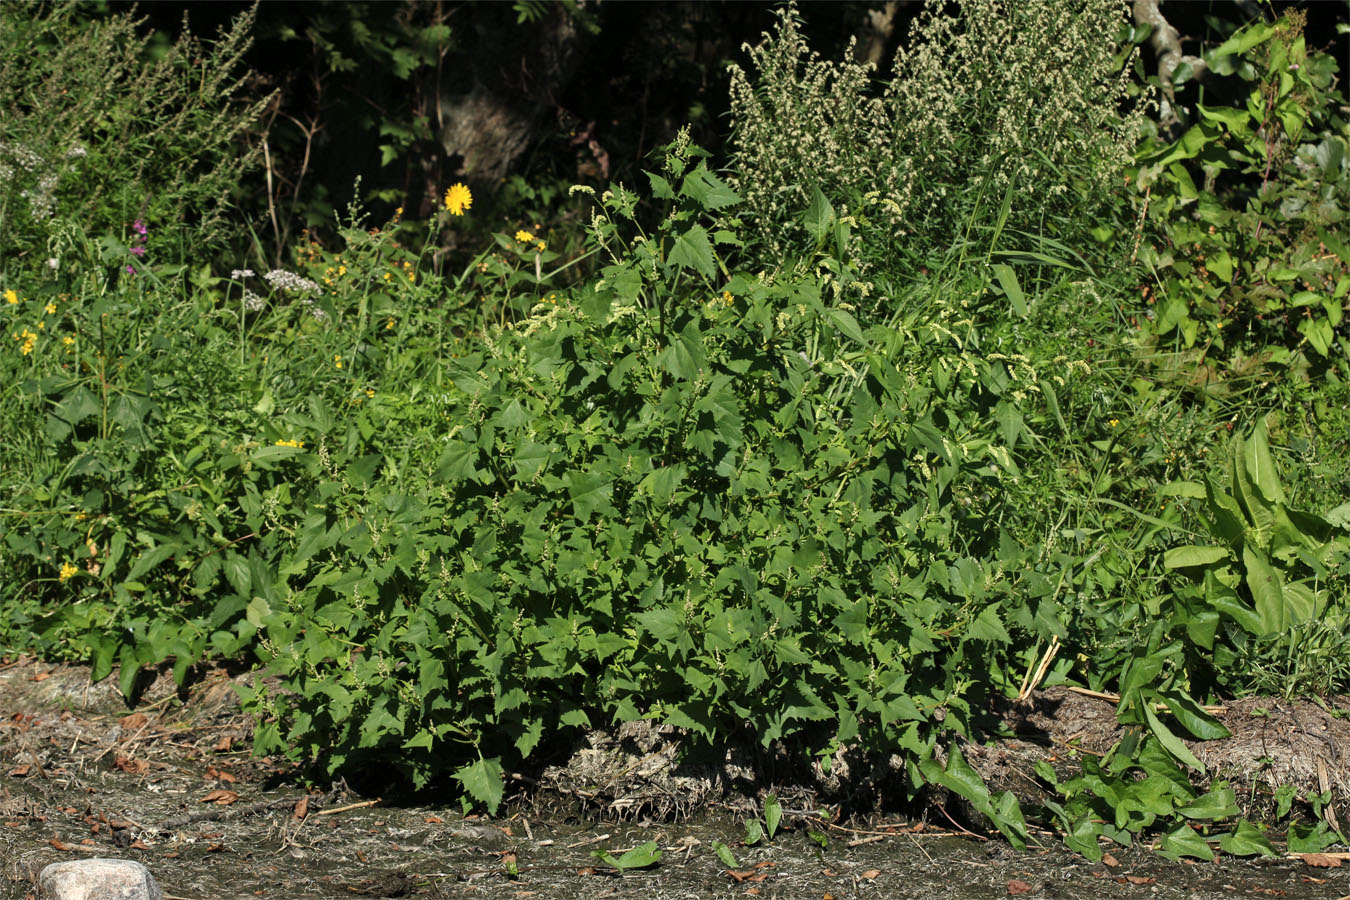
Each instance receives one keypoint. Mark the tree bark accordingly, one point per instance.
(492, 100)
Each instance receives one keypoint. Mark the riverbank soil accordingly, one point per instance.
(171, 784)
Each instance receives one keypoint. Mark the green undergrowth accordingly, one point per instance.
(786, 491)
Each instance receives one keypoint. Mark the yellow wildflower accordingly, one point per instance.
(541, 247)
(50, 309)
(458, 199)
(337, 360)
(524, 236)
(10, 297)
(68, 339)
(68, 569)
(389, 326)
(289, 443)
(370, 392)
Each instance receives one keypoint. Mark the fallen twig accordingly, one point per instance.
(348, 808)
(588, 842)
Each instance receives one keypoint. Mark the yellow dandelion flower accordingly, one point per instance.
(337, 360)
(342, 270)
(68, 340)
(458, 199)
(389, 326)
(68, 570)
(288, 443)
(541, 247)
(524, 236)
(50, 309)
(370, 392)
(11, 298)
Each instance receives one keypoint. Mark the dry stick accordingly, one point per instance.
(920, 846)
(586, 843)
(347, 808)
(870, 839)
(1115, 698)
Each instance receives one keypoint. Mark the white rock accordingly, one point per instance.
(97, 879)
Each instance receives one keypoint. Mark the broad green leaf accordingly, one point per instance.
(707, 190)
(773, 814)
(483, 782)
(130, 668)
(1169, 740)
(686, 356)
(151, 558)
(754, 832)
(588, 492)
(724, 854)
(1260, 465)
(639, 857)
(1192, 716)
(1219, 803)
(1007, 279)
(258, 609)
(988, 627)
(1267, 589)
(819, 217)
(1184, 557)
(1246, 840)
(693, 250)
(237, 573)
(661, 189)
(1184, 842)
(844, 321)
(1310, 838)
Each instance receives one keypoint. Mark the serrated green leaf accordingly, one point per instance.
(693, 250)
(483, 782)
(588, 492)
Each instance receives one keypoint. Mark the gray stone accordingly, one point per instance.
(97, 879)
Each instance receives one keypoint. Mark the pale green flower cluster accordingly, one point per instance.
(1027, 95)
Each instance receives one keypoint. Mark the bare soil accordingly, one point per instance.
(173, 785)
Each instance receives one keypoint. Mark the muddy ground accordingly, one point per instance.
(172, 785)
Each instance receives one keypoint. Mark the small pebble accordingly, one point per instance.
(97, 879)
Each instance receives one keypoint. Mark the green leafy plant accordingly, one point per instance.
(1275, 571)
(1248, 265)
(100, 131)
